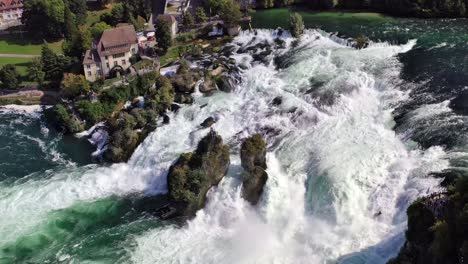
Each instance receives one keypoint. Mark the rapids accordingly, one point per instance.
(340, 178)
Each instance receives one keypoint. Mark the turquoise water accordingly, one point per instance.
(363, 141)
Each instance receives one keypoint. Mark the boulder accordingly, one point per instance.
(194, 173)
(185, 82)
(253, 183)
(217, 71)
(208, 122)
(166, 119)
(277, 101)
(360, 42)
(253, 160)
(224, 84)
(208, 86)
(182, 98)
(460, 104)
(175, 107)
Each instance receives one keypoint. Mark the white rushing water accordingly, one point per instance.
(340, 179)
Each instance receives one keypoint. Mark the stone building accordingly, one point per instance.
(10, 13)
(111, 53)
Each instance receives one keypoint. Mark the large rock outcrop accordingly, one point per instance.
(194, 173)
(253, 160)
(437, 228)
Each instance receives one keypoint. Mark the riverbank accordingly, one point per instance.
(352, 136)
(279, 17)
(30, 96)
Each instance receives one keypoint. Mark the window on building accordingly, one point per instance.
(89, 73)
(107, 58)
(88, 66)
(133, 50)
(119, 55)
(107, 64)
(115, 63)
(100, 72)
(124, 62)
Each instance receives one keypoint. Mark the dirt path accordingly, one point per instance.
(6, 55)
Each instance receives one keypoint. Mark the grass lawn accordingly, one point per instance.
(94, 14)
(171, 55)
(143, 64)
(21, 65)
(22, 44)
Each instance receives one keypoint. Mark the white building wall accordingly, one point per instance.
(10, 17)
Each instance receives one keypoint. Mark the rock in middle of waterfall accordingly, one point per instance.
(194, 173)
(253, 160)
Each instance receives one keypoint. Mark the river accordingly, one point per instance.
(352, 144)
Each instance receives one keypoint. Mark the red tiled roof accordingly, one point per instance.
(117, 40)
(91, 57)
(10, 4)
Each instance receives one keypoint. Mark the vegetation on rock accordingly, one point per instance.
(437, 228)
(66, 121)
(190, 178)
(296, 25)
(253, 160)
(200, 15)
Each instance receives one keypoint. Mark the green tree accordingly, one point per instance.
(97, 29)
(116, 15)
(35, 72)
(78, 7)
(44, 18)
(78, 44)
(54, 65)
(230, 13)
(280, 3)
(136, 8)
(139, 23)
(91, 112)
(214, 6)
(163, 31)
(70, 27)
(296, 25)
(265, 3)
(200, 15)
(187, 19)
(66, 121)
(9, 77)
(102, 3)
(74, 85)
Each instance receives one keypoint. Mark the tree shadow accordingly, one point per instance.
(21, 39)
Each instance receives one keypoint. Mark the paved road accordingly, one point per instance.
(6, 55)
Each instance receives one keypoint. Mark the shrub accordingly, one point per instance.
(74, 85)
(296, 25)
(65, 121)
(91, 112)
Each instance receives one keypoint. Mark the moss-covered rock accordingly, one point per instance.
(438, 228)
(253, 160)
(253, 153)
(193, 174)
(66, 121)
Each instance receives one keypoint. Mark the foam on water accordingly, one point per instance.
(334, 163)
(340, 179)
